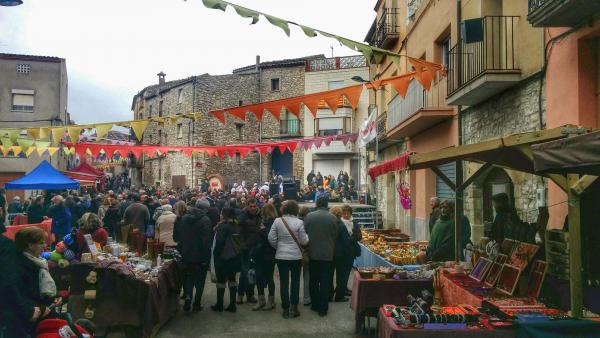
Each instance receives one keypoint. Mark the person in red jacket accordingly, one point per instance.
(90, 224)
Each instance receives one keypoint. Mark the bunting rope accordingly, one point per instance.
(94, 149)
(374, 54)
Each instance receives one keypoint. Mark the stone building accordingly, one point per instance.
(248, 85)
(33, 93)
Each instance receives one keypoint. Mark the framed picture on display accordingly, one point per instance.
(509, 276)
(523, 254)
(481, 269)
(536, 278)
(507, 246)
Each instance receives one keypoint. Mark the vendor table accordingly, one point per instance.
(368, 258)
(387, 328)
(370, 295)
(124, 300)
(453, 293)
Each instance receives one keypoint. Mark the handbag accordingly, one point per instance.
(305, 257)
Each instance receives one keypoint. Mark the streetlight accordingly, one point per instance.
(359, 79)
(10, 3)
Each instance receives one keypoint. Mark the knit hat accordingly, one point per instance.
(202, 203)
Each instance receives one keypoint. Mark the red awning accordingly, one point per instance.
(399, 163)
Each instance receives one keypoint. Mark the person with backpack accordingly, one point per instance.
(227, 258)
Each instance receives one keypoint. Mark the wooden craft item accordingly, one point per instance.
(507, 246)
(523, 254)
(493, 275)
(536, 278)
(481, 269)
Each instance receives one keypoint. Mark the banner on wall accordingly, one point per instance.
(368, 131)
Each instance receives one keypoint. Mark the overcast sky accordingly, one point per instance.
(114, 48)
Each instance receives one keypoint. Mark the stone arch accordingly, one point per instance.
(496, 181)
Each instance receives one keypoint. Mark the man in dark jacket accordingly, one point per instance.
(321, 227)
(36, 211)
(194, 238)
(250, 223)
(61, 219)
(435, 213)
(137, 214)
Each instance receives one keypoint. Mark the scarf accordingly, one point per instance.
(47, 285)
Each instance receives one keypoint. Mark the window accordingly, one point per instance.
(240, 103)
(150, 111)
(159, 136)
(179, 131)
(275, 85)
(445, 52)
(160, 108)
(238, 157)
(180, 95)
(335, 84)
(23, 68)
(22, 100)
(240, 132)
(330, 126)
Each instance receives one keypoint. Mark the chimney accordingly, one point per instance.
(161, 78)
(257, 63)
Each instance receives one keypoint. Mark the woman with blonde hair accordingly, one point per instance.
(90, 224)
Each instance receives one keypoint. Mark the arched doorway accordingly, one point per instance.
(497, 181)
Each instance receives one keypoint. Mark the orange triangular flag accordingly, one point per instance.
(219, 115)
(425, 78)
(332, 101)
(293, 107)
(312, 103)
(353, 93)
(401, 84)
(275, 110)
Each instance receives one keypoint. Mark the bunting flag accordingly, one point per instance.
(6, 142)
(34, 132)
(57, 134)
(139, 127)
(29, 151)
(43, 134)
(25, 144)
(74, 133)
(103, 129)
(10, 133)
(52, 150)
(243, 149)
(4, 151)
(375, 55)
(16, 150)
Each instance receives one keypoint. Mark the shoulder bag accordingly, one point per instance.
(305, 257)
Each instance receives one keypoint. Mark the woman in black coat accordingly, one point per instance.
(112, 217)
(227, 258)
(264, 259)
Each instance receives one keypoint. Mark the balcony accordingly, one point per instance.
(485, 62)
(329, 125)
(336, 147)
(418, 110)
(385, 30)
(337, 63)
(289, 127)
(561, 13)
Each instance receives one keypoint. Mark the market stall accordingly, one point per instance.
(496, 292)
(43, 177)
(12, 230)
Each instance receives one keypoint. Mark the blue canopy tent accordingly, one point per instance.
(43, 177)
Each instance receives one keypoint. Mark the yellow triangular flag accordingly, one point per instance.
(4, 151)
(160, 120)
(34, 132)
(103, 129)
(139, 127)
(16, 150)
(74, 133)
(57, 134)
(6, 142)
(52, 150)
(41, 146)
(40, 151)
(29, 151)
(44, 133)
(174, 119)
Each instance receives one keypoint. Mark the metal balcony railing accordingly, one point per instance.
(344, 62)
(536, 4)
(289, 127)
(402, 108)
(491, 48)
(386, 28)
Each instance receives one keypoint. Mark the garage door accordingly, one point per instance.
(328, 167)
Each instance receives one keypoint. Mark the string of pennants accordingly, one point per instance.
(94, 149)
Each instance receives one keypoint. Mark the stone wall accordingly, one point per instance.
(206, 93)
(511, 112)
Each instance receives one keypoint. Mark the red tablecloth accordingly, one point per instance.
(12, 230)
(453, 293)
(387, 328)
(20, 219)
(369, 294)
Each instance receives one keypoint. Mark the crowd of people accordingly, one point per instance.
(236, 236)
(340, 189)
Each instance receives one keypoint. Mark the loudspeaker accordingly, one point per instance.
(290, 192)
(273, 189)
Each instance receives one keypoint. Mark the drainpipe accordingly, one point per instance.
(192, 130)
(459, 202)
(259, 121)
